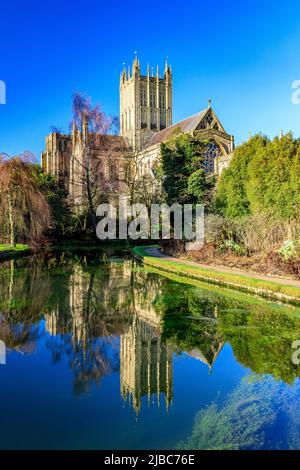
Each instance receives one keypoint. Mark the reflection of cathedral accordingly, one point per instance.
(210, 357)
(74, 319)
(146, 364)
(117, 301)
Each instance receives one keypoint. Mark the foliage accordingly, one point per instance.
(25, 212)
(260, 334)
(231, 245)
(288, 249)
(217, 276)
(263, 176)
(56, 195)
(242, 422)
(16, 247)
(183, 176)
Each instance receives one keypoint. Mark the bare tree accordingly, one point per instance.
(141, 187)
(25, 211)
(90, 176)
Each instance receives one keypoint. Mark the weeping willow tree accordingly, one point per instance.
(24, 210)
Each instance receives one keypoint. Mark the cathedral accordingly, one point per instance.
(146, 108)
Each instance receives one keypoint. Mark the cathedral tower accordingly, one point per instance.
(145, 103)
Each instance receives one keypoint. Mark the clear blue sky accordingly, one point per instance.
(243, 55)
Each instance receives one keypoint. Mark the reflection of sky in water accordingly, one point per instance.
(112, 356)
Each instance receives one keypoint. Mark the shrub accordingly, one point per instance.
(217, 229)
(288, 249)
(232, 246)
(260, 233)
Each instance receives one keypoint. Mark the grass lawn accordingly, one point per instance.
(17, 247)
(258, 286)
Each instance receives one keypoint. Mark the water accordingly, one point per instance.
(101, 353)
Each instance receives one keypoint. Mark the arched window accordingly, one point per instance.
(211, 153)
(207, 121)
(113, 171)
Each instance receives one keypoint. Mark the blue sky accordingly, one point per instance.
(243, 55)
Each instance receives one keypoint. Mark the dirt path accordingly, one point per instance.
(155, 252)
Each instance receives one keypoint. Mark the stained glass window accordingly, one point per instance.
(211, 153)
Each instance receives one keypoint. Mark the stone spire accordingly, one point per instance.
(168, 70)
(136, 66)
(166, 66)
(85, 126)
(123, 73)
(74, 132)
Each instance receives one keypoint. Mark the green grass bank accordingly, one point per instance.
(245, 283)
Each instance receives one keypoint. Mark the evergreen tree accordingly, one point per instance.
(184, 179)
(263, 176)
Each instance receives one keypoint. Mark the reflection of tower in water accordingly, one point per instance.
(146, 364)
(71, 316)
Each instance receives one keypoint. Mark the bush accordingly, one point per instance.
(261, 233)
(216, 229)
(232, 246)
(288, 249)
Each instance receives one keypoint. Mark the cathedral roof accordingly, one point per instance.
(187, 125)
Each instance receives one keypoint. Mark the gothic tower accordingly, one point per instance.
(145, 103)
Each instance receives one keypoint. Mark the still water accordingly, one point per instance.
(101, 353)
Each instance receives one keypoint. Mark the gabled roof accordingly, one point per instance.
(187, 125)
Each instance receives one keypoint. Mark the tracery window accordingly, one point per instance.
(152, 99)
(207, 121)
(113, 171)
(143, 97)
(211, 153)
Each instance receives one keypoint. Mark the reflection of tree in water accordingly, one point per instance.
(87, 306)
(190, 322)
(93, 307)
(262, 337)
(260, 333)
(23, 293)
(20, 337)
(260, 413)
(89, 362)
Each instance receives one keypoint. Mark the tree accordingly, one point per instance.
(263, 176)
(89, 178)
(231, 196)
(144, 189)
(184, 178)
(25, 211)
(57, 198)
